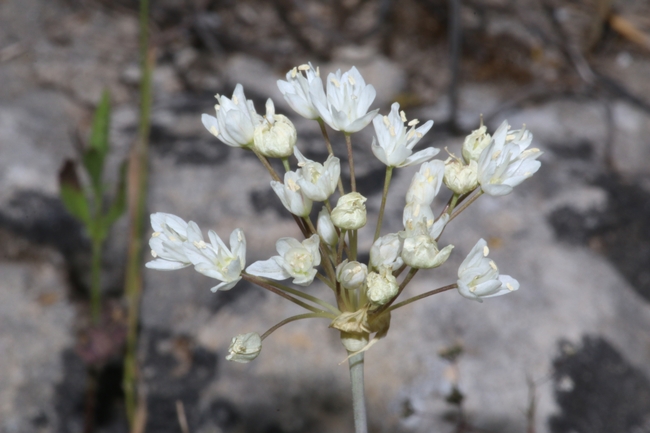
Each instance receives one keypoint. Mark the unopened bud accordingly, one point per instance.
(244, 347)
(382, 287)
(350, 211)
(351, 275)
(461, 178)
(276, 136)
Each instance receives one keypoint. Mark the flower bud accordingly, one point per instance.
(326, 229)
(276, 136)
(351, 275)
(461, 178)
(475, 142)
(244, 347)
(421, 252)
(382, 287)
(350, 211)
(386, 252)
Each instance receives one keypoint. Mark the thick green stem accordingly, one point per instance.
(138, 175)
(389, 175)
(95, 281)
(358, 393)
(353, 182)
(285, 162)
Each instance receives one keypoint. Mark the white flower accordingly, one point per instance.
(170, 233)
(276, 136)
(507, 162)
(350, 211)
(236, 119)
(382, 287)
(296, 90)
(478, 276)
(326, 229)
(292, 196)
(475, 142)
(318, 181)
(345, 108)
(216, 261)
(461, 178)
(244, 347)
(394, 143)
(351, 275)
(426, 183)
(385, 252)
(296, 259)
(420, 249)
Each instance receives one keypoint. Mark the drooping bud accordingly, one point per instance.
(461, 178)
(351, 275)
(382, 287)
(244, 347)
(350, 211)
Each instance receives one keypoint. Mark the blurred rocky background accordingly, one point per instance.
(569, 352)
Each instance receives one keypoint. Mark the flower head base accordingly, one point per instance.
(296, 90)
(244, 348)
(507, 162)
(275, 136)
(394, 143)
(236, 119)
(345, 108)
(478, 276)
(170, 233)
(350, 211)
(296, 259)
(318, 181)
(216, 261)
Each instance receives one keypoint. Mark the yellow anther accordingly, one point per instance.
(318, 71)
(351, 80)
(496, 154)
(402, 116)
(392, 131)
(493, 265)
(173, 238)
(235, 100)
(292, 185)
(335, 82)
(486, 251)
(302, 164)
(410, 134)
(304, 67)
(509, 287)
(217, 107)
(419, 134)
(154, 254)
(155, 234)
(386, 121)
(472, 289)
(294, 72)
(413, 122)
(214, 131)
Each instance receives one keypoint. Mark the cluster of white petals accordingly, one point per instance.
(350, 211)
(275, 136)
(244, 347)
(459, 177)
(386, 252)
(236, 119)
(394, 142)
(176, 244)
(297, 260)
(478, 276)
(345, 106)
(318, 181)
(507, 161)
(297, 90)
(291, 195)
(382, 287)
(352, 275)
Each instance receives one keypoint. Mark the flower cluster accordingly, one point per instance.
(364, 294)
